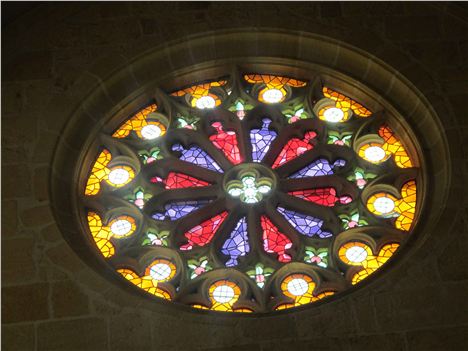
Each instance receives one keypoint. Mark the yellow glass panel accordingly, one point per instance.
(101, 234)
(366, 259)
(165, 270)
(98, 173)
(146, 283)
(404, 208)
(223, 295)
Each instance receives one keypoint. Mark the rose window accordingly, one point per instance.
(250, 193)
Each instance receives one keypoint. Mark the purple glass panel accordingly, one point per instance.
(320, 167)
(261, 140)
(177, 210)
(237, 245)
(197, 156)
(306, 225)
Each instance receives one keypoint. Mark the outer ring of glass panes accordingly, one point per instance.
(260, 284)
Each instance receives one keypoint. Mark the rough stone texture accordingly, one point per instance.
(55, 55)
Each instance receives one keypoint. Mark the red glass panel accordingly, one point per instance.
(179, 181)
(202, 234)
(226, 141)
(294, 148)
(321, 196)
(274, 240)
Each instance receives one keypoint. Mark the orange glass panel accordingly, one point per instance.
(201, 90)
(390, 146)
(274, 84)
(395, 147)
(345, 103)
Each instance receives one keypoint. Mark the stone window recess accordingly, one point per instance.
(250, 192)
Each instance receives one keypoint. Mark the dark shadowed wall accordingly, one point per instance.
(55, 55)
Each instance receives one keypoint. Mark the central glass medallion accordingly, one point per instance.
(249, 182)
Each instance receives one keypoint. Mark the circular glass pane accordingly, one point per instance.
(384, 204)
(333, 114)
(298, 287)
(151, 131)
(232, 200)
(121, 227)
(119, 176)
(223, 293)
(374, 154)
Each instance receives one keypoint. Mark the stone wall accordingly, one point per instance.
(55, 55)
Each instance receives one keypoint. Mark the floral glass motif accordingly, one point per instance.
(234, 206)
(260, 274)
(156, 238)
(316, 256)
(198, 266)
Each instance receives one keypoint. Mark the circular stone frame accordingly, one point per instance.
(287, 53)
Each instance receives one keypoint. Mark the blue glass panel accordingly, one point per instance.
(261, 140)
(237, 245)
(320, 167)
(304, 224)
(177, 210)
(197, 156)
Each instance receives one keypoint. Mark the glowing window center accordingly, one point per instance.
(356, 254)
(160, 271)
(298, 287)
(223, 293)
(272, 96)
(119, 176)
(150, 131)
(205, 102)
(248, 189)
(374, 153)
(384, 205)
(121, 227)
(333, 114)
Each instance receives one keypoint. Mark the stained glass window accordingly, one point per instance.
(251, 193)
